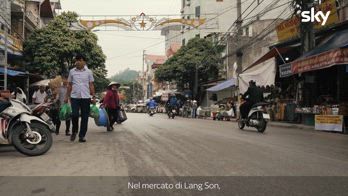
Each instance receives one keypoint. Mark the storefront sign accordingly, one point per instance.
(321, 61)
(329, 123)
(14, 45)
(285, 70)
(290, 28)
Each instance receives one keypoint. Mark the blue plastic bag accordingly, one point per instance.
(103, 119)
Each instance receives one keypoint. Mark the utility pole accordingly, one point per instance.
(307, 29)
(143, 77)
(195, 90)
(258, 15)
(24, 13)
(239, 53)
(227, 56)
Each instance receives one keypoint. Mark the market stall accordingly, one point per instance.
(316, 83)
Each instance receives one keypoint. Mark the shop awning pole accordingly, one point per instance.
(280, 55)
(338, 84)
(5, 66)
(207, 99)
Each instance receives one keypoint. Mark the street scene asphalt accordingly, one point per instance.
(158, 146)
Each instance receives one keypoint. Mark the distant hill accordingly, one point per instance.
(125, 76)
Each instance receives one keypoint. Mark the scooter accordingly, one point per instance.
(172, 113)
(29, 134)
(257, 118)
(44, 112)
(152, 111)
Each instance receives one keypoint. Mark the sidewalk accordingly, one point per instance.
(276, 124)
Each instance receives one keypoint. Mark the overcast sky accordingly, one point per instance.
(124, 49)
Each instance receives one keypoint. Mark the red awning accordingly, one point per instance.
(321, 61)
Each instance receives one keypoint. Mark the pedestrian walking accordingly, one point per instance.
(80, 91)
(61, 96)
(111, 102)
(53, 98)
(194, 108)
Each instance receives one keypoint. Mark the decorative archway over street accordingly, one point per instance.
(141, 22)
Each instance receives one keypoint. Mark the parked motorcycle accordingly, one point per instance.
(257, 118)
(44, 112)
(29, 134)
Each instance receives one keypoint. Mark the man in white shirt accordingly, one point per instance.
(80, 91)
(40, 96)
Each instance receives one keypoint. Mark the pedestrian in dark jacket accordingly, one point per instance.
(111, 103)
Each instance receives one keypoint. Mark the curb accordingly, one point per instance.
(274, 124)
(291, 126)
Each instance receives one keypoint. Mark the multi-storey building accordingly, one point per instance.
(20, 18)
(221, 15)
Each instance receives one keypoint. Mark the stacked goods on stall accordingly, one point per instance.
(343, 109)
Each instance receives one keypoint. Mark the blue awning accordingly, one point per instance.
(11, 72)
(223, 85)
(336, 40)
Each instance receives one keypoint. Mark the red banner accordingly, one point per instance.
(321, 61)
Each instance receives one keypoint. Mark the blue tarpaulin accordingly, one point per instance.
(11, 72)
(223, 85)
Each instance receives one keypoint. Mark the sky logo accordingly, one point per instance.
(315, 16)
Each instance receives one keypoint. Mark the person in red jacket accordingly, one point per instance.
(111, 103)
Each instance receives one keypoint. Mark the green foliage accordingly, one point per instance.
(125, 76)
(181, 67)
(50, 50)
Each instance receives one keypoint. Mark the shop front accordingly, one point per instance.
(314, 85)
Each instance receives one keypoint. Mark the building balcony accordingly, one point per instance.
(18, 4)
(32, 19)
(14, 44)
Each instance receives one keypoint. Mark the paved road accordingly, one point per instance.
(158, 146)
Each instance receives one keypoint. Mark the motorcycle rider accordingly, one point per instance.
(172, 103)
(252, 96)
(151, 104)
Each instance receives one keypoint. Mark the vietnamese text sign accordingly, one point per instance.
(285, 70)
(329, 122)
(290, 28)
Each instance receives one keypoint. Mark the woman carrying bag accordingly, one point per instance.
(111, 103)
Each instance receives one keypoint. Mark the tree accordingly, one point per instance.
(50, 51)
(198, 53)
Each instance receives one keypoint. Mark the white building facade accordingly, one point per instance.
(220, 15)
